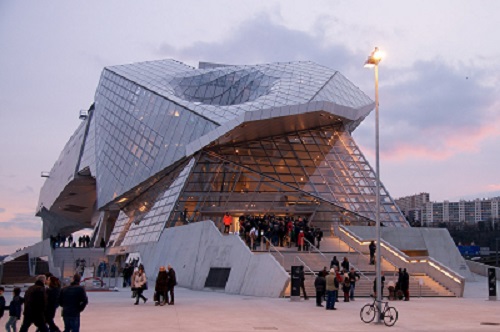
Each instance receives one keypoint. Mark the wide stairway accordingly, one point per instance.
(314, 261)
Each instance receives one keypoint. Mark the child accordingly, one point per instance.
(2, 302)
(14, 310)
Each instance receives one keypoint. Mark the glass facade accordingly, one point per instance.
(169, 144)
(138, 133)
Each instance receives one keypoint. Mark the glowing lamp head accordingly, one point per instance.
(374, 58)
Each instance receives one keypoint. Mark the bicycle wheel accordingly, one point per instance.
(367, 313)
(390, 316)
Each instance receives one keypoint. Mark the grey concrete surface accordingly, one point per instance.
(214, 311)
(195, 248)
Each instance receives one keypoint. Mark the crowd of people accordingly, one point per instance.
(328, 284)
(284, 231)
(41, 301)
(60, 241)
(342, 278)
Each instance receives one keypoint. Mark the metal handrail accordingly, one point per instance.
(405, 259)
(297, 257)
(271, 246)
(315, 248)
(359, 252)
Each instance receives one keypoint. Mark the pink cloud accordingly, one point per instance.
(448, 144)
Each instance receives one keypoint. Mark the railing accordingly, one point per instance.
(438, 271)
(328, 261)
(271, 246)
(303, 263)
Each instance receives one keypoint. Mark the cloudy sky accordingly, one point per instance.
(439, 80)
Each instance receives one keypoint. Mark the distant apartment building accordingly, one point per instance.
(413, 206)
(419, 208)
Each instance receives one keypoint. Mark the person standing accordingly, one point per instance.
(302, 277)
(227, 222)
(353, 277)
(405, 287)
(35, 305)
(334, 263)
(172, 282)
(14, 309)
(319, 237)
(2, 301)
(300, 240)
(161, 287)
(320, 285)
(345, 265)
(372, 247)
(53, 291)
(73, 300)
(332, 287)
(140, 285)
(346, 286)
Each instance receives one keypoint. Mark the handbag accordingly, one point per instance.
(145, 286)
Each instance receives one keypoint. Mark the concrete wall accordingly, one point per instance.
(40, 249)
(482, 269)
(195, 248)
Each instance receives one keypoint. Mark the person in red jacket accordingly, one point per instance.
(300, 240)
(227, 222)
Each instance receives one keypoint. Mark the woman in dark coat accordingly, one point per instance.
(161, 287)
(53, 291)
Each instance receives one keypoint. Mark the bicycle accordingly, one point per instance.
(389, 314)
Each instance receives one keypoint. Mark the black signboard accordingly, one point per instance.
(492, 282)
(296, 273)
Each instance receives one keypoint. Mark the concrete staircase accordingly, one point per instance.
(420, 284)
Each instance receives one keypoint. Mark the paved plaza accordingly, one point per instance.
(213, 311)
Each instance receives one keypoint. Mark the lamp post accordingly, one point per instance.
(373, 61)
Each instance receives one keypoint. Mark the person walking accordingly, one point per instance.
(161, 287)
(73, 300)
(35, 305)
(140, 283)
(53, 292)
(15, 308)
(320, 285)
(172, 282)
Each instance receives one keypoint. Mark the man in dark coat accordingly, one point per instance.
(320, 285)
(161, 287)
(73, 300)
(35, 305)
(372, 247)
(405, 287)
(172, 281)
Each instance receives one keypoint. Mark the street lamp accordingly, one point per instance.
(373, 61)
